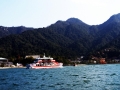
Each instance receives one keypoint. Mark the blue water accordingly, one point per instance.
(88, 77)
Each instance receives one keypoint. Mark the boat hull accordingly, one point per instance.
(43, 67)
(30, 66)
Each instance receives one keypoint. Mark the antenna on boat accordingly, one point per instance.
(44, 55)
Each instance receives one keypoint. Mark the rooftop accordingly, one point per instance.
(3, 58)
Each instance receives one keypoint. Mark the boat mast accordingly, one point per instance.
(44, 55)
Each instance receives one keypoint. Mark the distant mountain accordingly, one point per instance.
(74, 21)
(71, 38)
(108, 31)
(113, 19)
(5, 31)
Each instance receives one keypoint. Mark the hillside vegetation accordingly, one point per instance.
(64, 39)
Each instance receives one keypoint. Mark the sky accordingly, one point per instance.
(42, 13)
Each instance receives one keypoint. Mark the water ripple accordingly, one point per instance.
(89, 77)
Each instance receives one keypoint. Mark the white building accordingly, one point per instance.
(33, 56)
(4, 62)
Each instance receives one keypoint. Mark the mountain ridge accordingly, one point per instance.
(70, 38)
(5, 31)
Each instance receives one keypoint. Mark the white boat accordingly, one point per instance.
(45, 62)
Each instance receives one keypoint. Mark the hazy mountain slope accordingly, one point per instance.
(107, 31)
(5, 31)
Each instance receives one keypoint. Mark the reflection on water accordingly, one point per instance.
(88, 77)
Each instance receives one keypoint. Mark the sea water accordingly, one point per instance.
(87, 77)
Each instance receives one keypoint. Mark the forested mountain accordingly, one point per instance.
(71, 38)
(108, 31)
(5, 31)
(49, 40)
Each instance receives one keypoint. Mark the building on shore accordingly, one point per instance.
(33, 56)
(102, 61)
(5, 63)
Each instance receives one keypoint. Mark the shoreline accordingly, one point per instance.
(63, 65)
(10, 67)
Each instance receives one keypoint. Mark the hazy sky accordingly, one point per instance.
(42, 13)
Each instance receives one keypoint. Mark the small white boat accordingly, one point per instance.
(45, 62)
